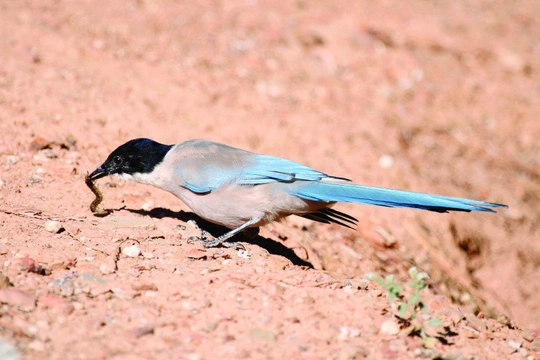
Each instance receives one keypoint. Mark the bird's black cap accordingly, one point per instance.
(136, 156)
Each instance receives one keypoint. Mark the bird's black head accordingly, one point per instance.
(135, 156)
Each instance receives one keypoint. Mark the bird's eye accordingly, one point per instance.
(117, 160)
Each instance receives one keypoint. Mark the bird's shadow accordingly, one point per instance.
(272, 246)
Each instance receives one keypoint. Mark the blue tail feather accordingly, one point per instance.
(343, 192)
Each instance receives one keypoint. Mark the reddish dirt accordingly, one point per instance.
(437, 97)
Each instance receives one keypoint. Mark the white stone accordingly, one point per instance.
(390, 327)
(386, 161)
(131, 251)
(106, 269)
(53, 226)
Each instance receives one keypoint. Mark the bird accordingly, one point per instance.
(243, 191)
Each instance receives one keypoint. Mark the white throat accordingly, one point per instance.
(139, 177)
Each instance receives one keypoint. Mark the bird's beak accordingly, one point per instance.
(98, 173)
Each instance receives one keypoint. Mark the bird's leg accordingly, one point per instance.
(223, 239)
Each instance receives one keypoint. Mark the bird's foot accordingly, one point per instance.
(209, 241)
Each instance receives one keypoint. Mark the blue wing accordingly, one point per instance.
(266, 169)
(205, 166)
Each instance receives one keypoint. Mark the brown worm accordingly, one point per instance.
(99, 198)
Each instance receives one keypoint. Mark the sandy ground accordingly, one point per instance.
(426, 96)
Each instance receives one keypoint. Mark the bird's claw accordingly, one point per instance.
(209, 241)
(233, 245)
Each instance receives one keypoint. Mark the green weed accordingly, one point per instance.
(412, 312)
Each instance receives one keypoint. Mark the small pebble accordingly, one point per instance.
(34, 179)
(131, 251)
(49, 153)
(346, 332)
(147, 206)
(106, 269)
(54, 226)
(142, 331)
(386, 161)
(197, 253)
(144, 286)
(4, 281)
(390, 327)
(11, 159)
(39, 143)
(514, 344)
(193, 224)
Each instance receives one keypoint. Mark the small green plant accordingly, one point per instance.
(411, 310)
